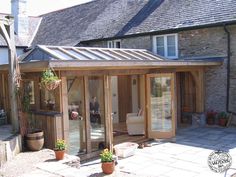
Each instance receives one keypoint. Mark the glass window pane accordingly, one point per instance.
(110, 44)
(161, 51)
(160, 45)
(117, 44)
(76, 111)
(171, 40)
(160, 41)
(161, 104)
(171, 48)
(171, 51)
(97, 112)
(29, 89)
(48, 99)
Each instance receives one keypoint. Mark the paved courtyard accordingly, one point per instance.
(186, 155)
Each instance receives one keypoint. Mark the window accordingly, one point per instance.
(114, 44)
(49, 100)
(166, 45)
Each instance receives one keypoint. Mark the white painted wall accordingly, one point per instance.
(135, 95)
(4, 54)
(114, 91)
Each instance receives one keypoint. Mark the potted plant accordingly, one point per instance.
(223, 118)
(108, 164)
(34, 138)
(49, 80)
(59, 149)
(210, 117)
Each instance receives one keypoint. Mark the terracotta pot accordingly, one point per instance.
(210, 121)
(35, 140)
(222, 122)
(59, 154)
(108, 167)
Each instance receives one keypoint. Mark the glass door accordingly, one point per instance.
(160, 94)
(76, 111)
(96, 112)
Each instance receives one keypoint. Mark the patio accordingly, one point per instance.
(186, 155)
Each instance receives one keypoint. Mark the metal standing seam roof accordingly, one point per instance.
(64, 53)
(66, 57)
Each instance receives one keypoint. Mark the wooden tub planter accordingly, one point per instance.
(35, 140)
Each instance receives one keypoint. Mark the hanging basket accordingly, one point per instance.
(49, 79)
(52, 85)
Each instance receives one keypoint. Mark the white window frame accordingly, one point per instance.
(154, 45)
(113, 43)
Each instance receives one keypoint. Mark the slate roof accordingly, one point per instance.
(96, 19)
(101, 19)
(24, 41)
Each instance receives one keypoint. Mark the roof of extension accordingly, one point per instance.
(101, 19)
(24, 41)
(66, 57)
(66, 53)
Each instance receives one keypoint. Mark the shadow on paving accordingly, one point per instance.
(213, 138)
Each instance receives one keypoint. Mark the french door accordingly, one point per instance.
(161, 105)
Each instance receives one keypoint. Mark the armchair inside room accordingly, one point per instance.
(135, 123)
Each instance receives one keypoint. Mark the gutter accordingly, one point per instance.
(228, 69)
(160, 32)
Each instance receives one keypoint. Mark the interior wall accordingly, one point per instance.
(115, 100)
(135, 97)
(124, 96)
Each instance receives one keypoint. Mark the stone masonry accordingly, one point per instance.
(202, 43)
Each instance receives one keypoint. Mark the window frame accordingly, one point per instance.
(113, 43)
(154, 44)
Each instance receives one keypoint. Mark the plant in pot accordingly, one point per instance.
(210, 117)
(34, 138)
(108, 164)
(223, 118)
(59, 149)
(49, 79)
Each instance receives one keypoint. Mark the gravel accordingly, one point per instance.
(25, 162)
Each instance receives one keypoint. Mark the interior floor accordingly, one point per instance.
(120, 134)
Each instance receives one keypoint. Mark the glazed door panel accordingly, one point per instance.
(161, 108)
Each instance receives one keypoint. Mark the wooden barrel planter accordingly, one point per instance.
(35, 140)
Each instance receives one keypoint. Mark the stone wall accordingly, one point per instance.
(141, 42)
(208, 42)
(202, 42)
(199, 43)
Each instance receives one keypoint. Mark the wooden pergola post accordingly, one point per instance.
(7, 31)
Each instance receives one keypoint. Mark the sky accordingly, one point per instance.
(38, 7)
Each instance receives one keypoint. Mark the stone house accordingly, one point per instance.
(194, 40)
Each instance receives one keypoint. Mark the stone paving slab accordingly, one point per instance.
(51, 167)
(39, 173)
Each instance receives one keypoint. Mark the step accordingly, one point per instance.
(10, 144)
